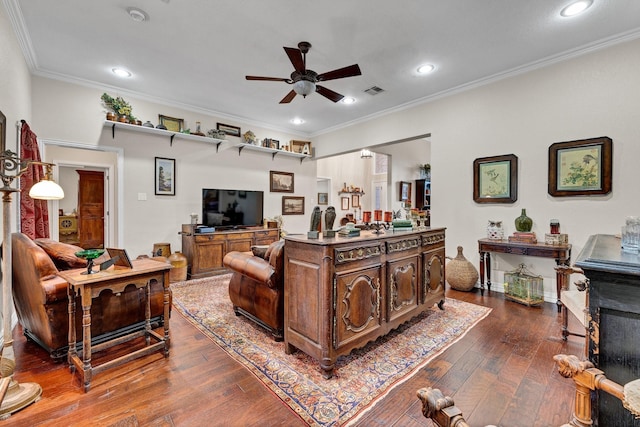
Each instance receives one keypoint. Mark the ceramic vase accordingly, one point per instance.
(495, 230)
(523, 222)
(178, 272)
(461, 274)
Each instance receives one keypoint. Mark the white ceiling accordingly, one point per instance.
(196, 53)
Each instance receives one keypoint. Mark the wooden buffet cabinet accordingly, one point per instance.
(205, 251)
(343, 292)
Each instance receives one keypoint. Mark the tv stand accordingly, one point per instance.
(205, 251)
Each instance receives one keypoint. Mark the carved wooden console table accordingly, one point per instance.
(342, 292)
(561, 253)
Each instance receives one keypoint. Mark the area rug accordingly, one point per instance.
(360, 379)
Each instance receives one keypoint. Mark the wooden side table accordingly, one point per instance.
(142, 275)
(561, 253)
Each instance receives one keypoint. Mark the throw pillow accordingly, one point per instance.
(259, 250)
(62, 254)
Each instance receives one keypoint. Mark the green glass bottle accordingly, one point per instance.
(523, 222)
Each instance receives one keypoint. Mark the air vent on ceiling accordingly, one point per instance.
(374, 90)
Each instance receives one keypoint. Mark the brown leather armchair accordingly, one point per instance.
(256, 287)
(42, 305)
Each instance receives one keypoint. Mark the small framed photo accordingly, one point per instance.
(344, 203)
(580, 168)
(280, 182)
(292, 205)
(165, 177)
(355, 201)
(228, 129)
(171, 123)
(121, 256)
(405, 191)
(323, 198)
(495, 179)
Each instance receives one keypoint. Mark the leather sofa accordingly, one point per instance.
(42, 305)
(256, 288)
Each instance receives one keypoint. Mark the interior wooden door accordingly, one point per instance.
(91, 209)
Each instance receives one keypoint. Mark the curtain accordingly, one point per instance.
(34, 214)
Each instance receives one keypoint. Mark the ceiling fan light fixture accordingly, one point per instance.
(348, 100)
(576, 8)
(304, 87)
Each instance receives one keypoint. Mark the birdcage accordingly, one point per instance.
(524, 287)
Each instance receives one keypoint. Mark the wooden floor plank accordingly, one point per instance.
(199, 384)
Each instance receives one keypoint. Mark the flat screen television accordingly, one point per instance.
(229, 209)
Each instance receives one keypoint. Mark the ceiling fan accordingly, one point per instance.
(304, 80)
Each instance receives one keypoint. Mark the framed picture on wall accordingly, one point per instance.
(580, 168)
(171, 123)
(355, 201)
(280, 182)
(495, 179)
(165, 177)
(292, 205)
(323, 198)
(405, 191)
(344, 203)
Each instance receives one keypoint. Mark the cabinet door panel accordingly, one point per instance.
(403, 286)
(357, 304)
(209, 256)
(239, 245)
(434, 275)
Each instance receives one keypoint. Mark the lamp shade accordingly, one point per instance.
(304, 87)
(46, 190)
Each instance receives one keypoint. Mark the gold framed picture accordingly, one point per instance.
(171, 123)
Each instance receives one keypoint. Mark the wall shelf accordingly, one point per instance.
(220, 144)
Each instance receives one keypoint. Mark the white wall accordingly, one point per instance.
(589, 96)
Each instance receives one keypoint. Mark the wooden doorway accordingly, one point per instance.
(91, 209)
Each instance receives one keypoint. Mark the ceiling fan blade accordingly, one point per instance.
(295, 56)
(269, 79)
(350, 71)
(328, 93)
(289, 97)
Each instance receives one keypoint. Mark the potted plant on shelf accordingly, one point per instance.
(120, 110)
(425, 170)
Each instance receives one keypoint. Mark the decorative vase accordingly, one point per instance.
(178, 271)
(461, 274)
(523, 222)
(495, 230)
(111, 116)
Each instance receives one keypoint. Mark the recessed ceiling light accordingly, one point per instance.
(576, 8)
(297, 121)
(425, 69)
(348, 100)
(121, 72)
(137, 15)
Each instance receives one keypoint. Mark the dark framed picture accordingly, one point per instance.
(228, 129)
(344, 203)
(355, 201)
(323, 198)
(280, 182)
(121, 256)
(292, 205)
(405, 191)
(165, 177)
(581, 168)
(171, 123)
(495, 179)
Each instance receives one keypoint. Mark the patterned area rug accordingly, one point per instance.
(360, 379)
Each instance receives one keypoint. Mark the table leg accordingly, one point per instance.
(488, 269)
(167, 307)
(72, 328)
(482, 255)
(147, 314)
(86, 339)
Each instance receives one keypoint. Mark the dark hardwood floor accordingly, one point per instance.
(500, 373)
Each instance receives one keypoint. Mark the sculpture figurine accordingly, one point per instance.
(329, 217)
(314, 228)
